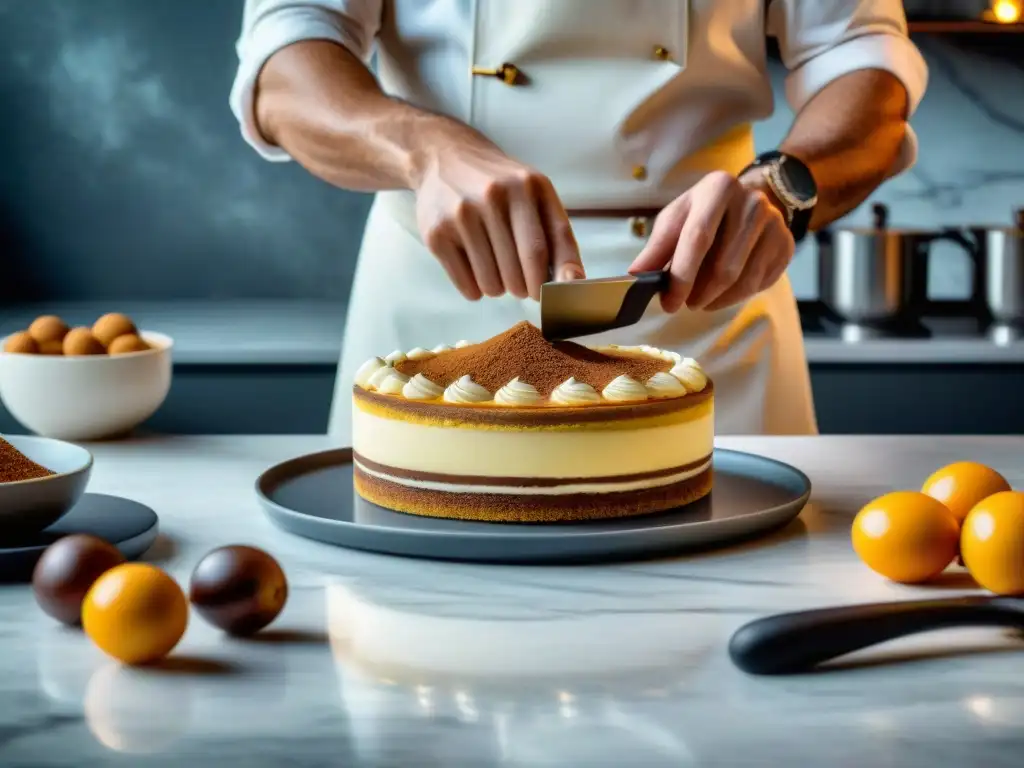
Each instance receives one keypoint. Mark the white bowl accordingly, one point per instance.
(89, 397)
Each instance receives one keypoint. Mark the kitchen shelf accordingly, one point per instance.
(964, 27)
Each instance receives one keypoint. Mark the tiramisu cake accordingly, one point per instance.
(520, 429)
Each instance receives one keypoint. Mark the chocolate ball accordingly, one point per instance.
(21, 344)
(66, 571)
(239, 589)
(112, 325)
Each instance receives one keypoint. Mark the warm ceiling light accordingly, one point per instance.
(1006, 11)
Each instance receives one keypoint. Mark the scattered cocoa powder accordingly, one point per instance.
(524, 352)
(15, 466)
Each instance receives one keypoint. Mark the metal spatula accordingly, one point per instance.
(586, 307)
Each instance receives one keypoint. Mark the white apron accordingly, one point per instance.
(600, 112)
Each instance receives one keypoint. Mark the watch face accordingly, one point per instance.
(798, 178)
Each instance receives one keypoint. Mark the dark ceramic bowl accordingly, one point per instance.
(30, 506)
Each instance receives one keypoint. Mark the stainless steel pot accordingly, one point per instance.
(863, 273)
(876, 278)
(1004, 290)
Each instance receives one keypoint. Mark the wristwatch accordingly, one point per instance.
(793, 184)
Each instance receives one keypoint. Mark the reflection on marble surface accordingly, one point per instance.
(529, 684)
(381, 661)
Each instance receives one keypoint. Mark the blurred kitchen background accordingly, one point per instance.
(125, 185)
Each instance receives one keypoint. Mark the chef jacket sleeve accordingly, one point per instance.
(822, 40)
(270, 25)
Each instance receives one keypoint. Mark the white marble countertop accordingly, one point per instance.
(381, 661)
(310, 333)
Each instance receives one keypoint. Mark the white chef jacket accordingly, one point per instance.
(626, 104)
(726, 82)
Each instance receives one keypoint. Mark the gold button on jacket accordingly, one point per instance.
(508, 73)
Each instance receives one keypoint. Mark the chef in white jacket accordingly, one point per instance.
(513, 140)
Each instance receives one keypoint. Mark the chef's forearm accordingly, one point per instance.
(320, 103)
(850, 135)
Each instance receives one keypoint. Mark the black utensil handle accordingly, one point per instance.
(790, 643)
(645, 287)
(880, 215)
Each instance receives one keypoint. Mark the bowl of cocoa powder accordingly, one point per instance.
(40, 481)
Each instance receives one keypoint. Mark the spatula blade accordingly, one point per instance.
(585, 307)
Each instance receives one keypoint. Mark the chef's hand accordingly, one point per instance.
(724, 241)
(496, 225)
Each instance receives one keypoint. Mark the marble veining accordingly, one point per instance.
(381, 661)
(970, 168)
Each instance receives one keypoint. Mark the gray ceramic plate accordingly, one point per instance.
(128, 525)
(29, 506)
(312, 496)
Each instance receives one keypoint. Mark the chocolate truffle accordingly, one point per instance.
(21, 343)
(127, 344)
(48, 328)
(66, 571)
(112, 325)
(238, 589)
(80, 341)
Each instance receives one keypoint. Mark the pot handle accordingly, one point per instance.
(972, 241)
(972, 244)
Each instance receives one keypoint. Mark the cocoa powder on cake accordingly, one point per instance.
(16, 466)
(523, 352)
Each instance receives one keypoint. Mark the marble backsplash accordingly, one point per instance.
(970, 169)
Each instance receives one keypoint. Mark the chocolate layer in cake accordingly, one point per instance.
(523, 508)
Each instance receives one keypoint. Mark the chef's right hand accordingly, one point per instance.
(496, 225)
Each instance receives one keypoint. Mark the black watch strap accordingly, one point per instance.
(794, 185)
(800, 223)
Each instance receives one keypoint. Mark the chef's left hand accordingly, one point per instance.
(724, 240)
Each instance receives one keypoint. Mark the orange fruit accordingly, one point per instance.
(962, 485)
(992, 543)
(906, 536)
(135, 613)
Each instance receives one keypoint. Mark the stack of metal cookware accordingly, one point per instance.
(874, 280)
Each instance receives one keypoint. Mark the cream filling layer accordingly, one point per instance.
(528, 490)
(530, 453)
